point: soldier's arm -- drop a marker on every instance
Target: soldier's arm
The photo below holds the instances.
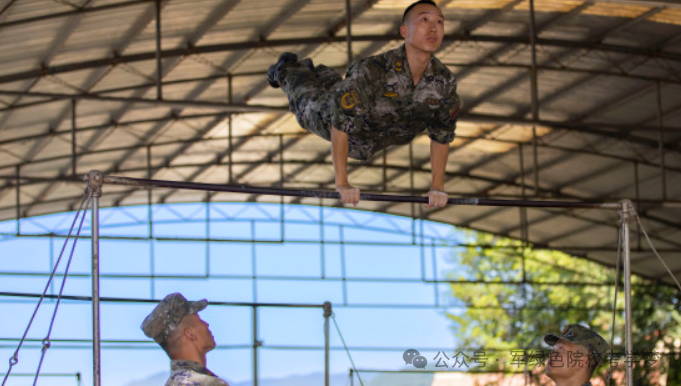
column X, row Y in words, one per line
column 439, row 152
column 339, row 154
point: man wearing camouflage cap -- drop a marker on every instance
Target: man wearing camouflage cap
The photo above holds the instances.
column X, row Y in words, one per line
column 384, row 100
column 176, row 326
column 577, row 351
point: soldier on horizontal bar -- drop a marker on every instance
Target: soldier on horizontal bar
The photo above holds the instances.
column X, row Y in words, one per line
column 384, row 100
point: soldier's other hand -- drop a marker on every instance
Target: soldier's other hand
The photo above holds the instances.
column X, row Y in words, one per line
column 348, row 194
column 436, row 199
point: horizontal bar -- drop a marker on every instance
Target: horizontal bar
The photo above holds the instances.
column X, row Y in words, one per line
column 270, row 191
column 131, row 300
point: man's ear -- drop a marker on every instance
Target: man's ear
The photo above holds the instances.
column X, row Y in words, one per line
column 404, row 31
column 189, row 333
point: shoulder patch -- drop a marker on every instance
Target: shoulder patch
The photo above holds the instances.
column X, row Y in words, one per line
column 390, row 94
column 350, row 99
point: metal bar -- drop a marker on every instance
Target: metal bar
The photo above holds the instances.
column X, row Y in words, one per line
column 150, row 228
column 95, row 186
column 159, row 65
column 155, row 301
column 660, row 120
column 327, row 314
column 17, row 196
column 629, row 345
column 342, row 258
column 457, row 37
column 364, row 196
column 67, row 14
column 230, row 144
column 256, row 343
column 73, row 137
column 534, row 94
column 348, row 27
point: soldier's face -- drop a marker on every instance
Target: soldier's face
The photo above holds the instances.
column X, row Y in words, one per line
column 568, row 360
column 424, row 28
column 203, row 337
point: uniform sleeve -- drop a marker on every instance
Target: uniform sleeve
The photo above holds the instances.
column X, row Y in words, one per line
column 353, row 97
column 442, row 129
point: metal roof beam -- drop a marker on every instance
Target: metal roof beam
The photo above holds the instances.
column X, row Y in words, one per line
column 654, row 52
column 79, row 11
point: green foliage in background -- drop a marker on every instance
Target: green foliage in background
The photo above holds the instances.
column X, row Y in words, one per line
column 528, row 293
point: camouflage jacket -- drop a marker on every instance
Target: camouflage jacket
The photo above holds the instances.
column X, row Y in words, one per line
column 378, row 105
column 190, row 373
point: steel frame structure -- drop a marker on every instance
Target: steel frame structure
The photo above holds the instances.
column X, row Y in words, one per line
column 96, row 179
column 630, row 134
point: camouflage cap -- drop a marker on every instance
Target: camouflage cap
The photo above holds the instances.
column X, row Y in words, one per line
column 168, row 314
column 578, row 334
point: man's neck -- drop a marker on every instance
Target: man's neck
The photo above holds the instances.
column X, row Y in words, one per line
column 418, row 62
column 572, row 381
column 190, row 356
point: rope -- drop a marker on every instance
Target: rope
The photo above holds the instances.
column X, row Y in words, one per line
column 14, row 359
column 614, row 304
column 333, row 316
column 46, row 341
column 640, row 225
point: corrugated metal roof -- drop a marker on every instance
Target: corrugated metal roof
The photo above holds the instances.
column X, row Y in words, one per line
column 599, row 66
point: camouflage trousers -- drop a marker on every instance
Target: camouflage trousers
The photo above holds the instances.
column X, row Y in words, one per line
column 309, row 97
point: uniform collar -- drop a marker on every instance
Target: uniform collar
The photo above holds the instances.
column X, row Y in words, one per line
column 183, row 364
column 401, row 64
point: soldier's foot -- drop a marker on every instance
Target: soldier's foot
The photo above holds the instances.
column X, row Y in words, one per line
column 272, row 74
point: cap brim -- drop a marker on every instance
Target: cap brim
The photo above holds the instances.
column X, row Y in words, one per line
column 197, row 306
column 551, row 339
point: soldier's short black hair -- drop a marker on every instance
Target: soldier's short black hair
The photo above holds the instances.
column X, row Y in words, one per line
column 409, row 8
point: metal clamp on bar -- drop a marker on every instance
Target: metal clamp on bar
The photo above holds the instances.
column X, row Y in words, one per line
column 327, row 309
column 627, row 211
column 95, row 180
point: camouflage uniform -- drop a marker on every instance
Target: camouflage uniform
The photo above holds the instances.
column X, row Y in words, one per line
column 161, row 322
column 190, row 373
column 377, row 104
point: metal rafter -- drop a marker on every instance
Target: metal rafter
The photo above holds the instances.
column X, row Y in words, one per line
column 334, row 28
column 466, row 29
column 196, row 35
column 180, row 52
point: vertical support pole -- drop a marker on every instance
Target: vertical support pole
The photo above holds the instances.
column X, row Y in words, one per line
column 637, row 184
column 660, row 122
column 348, row 26
column 436, row 280
column 524, row 233
column 256, row 344
column 411, row 192
column 281, row 185
column 385, row 170
column 18, row 199
column 327, row 314
column 73, row 136
column 534, row 95
column 627, row 215
column 352, row 378
column 342, row 257
column 150, row 225
column 95, row 181
column 230, row 143
column 208, row 236
column 159, row 67
column 322, row 246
